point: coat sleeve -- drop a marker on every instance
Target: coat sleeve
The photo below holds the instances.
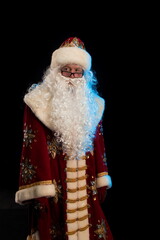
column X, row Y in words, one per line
column 103, row 179
column 35, row 178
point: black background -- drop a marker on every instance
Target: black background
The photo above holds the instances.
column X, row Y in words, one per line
column 113, row 37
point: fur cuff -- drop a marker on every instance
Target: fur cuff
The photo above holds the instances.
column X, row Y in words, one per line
column 34, row 236
column 104, row 181
column 35, row 192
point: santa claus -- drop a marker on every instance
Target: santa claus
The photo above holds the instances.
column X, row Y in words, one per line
column 63, row 168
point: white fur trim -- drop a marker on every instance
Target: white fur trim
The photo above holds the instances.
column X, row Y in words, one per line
column 83, row 235
column 72, row 226
column 71, row 215
column 104, row 181
column 34, row 236
column 71, row 55
column 82, row 203
column 71, row 206
column 72, row 175
column 73, row 237
column 82, row 162
column 35, row 192
column 101, row 107
column 43, row 114
column 82, row 183
column 82, row 213
column 71, row 163
column 71, row 185
column 82, row 224
column 72, row 196
column 80, row 235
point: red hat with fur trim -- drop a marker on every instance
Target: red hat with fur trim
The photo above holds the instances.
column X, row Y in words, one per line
column 71, row 51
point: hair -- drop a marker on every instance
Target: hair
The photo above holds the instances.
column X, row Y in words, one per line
column 91, row 79
column 68, row 115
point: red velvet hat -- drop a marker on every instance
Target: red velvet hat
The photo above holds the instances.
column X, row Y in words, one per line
column 71, row 51
column 73, row 42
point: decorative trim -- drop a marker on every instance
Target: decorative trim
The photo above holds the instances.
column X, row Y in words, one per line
column 43, row 114
column 77, row 219
column 76, row 189
column 69, row 55
column 35, row 192
column 80, row 229
column 76, row 169
column 76, row 200
column 102, row 174
column 35, row 184
column 34, row 236
column 104, row 181
column 78, row 209
column 75, row 179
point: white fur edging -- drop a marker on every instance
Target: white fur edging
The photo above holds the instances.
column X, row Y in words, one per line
column 35, row 192
column 104, row 181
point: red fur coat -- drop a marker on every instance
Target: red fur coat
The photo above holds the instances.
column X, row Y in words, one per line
column 64, row 195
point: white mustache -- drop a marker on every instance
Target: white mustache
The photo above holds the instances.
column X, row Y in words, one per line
column 73, row 81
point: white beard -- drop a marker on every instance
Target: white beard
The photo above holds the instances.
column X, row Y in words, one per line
column 73, row 111
column 72, row 114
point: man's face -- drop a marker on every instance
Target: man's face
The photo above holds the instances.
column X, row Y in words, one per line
column 72, row 71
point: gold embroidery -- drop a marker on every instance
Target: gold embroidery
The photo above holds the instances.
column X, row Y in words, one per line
column 77, row 219
column 58, row 191
column 100, row 129
column 71, row 233
column 71, row 179
column 47, row 182
column 102, row 174
column 78, row 209
column 76, row 169
column 28, row 170
column 80, row 229
column 53, row 231
column 93, row 187
column 104, row 157
column 28, row 136
column 101, row 230
column 78, row 199
column 75, row 179
column 53, row 146
column 82, row 178
column 71, row 210
column 73, row 43
column 76, row 189
column 56, row 231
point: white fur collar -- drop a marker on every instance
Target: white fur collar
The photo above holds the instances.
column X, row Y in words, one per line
column 43, row 113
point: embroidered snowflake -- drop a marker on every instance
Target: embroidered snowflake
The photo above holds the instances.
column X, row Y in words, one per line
column 28, row 171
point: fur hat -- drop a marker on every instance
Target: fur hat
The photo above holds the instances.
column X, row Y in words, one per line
column 71, row 51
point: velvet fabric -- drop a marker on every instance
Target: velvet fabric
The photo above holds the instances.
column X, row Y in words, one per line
column 64, row 195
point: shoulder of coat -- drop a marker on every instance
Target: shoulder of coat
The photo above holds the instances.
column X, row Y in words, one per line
column 101, row 105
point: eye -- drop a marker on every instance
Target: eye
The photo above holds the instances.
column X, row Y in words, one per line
column 78, row 70
column 65, row 69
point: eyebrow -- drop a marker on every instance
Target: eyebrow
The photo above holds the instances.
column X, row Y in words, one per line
column 77, row 68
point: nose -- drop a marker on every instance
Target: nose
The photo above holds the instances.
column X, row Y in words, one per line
column 72, row 75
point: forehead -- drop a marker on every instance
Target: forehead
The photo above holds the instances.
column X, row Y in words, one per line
column 73, row 66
